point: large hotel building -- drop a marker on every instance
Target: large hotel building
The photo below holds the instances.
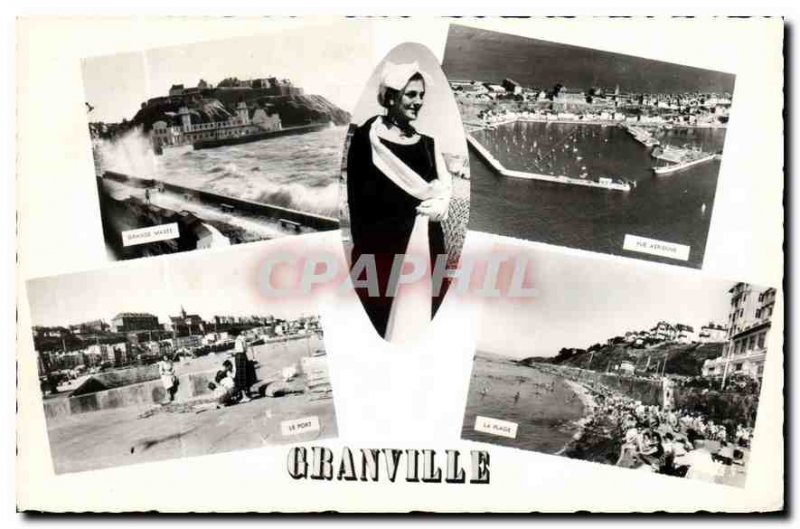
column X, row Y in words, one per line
column 749, row 321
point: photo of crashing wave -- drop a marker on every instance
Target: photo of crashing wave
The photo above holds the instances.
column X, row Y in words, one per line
column 292, row 172
column 295, row 172
column 191, row 153
column 241, row 178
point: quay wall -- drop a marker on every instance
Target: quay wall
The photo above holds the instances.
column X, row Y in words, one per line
column 316, row 222
column 151, row 392
column 498, row 167
column 143, row 395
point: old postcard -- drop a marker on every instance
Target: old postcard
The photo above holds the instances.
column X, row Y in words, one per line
column 603, row 196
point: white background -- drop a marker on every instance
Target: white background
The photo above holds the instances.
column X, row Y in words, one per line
column 520, row 480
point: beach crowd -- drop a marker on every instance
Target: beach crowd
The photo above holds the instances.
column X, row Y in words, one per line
column 674, row 442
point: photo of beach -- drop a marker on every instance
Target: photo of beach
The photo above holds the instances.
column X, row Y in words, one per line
column 231, row 141
column 592, row 369
column 589, row 149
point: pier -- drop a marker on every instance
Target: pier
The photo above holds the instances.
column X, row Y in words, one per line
column 494, row 163
column 680, row 166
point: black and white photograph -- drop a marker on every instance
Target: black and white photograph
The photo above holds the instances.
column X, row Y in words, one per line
column 624, row 366
column 146, row 363
column 589, row 149
column 324, row 263
column 405, row 188
column 224, row 142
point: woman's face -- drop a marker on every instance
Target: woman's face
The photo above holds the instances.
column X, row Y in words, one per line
column 410, row 101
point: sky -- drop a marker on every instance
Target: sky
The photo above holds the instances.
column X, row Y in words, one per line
column 491, row 56
column 206, row 282
column 335, row 67
column 582, row 301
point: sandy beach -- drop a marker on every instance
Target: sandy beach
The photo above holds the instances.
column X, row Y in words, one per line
column 545, row 408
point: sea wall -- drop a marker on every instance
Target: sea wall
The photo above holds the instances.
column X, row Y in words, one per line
column 498, row 167
column 647, row 390
column 721, row 407
column 194, row 384
column 313, row 221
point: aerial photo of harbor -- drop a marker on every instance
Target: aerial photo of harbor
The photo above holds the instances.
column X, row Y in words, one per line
column 593, row 371
column 239, row 148
column 578, row 147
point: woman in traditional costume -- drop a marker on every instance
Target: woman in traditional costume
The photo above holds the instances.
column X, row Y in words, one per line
column 398, row 192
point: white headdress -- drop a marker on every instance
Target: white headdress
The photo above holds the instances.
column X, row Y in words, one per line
column 396, row 76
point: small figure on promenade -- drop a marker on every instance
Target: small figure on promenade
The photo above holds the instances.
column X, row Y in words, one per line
column 243, row 370
column 166, row 370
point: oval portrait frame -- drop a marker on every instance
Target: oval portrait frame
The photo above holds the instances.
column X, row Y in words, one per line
column 377, row 210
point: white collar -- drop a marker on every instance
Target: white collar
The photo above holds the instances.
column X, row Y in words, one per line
column 392, row 134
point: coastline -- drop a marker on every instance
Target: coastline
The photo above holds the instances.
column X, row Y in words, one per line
column 600, row 122
column 595, row 439
column 589, row 405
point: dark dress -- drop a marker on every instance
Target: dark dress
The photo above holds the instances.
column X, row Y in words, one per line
column 245, row 372
column 382, row 215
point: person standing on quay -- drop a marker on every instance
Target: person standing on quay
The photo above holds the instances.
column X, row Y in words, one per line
column 243, row 371
column 166, row 370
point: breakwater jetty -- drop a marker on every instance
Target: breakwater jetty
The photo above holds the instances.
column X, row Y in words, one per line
column 494, row 163
column 232, row 204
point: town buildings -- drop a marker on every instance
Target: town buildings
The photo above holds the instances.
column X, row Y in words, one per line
column 138, row 338
column 749, row 321
column 594, row 104
column 511, row 86
column 134, row 321
column 185, row 324
column 244, row 123
column 712, row 333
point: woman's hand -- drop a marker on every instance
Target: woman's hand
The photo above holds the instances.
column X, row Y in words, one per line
column 434, row 208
